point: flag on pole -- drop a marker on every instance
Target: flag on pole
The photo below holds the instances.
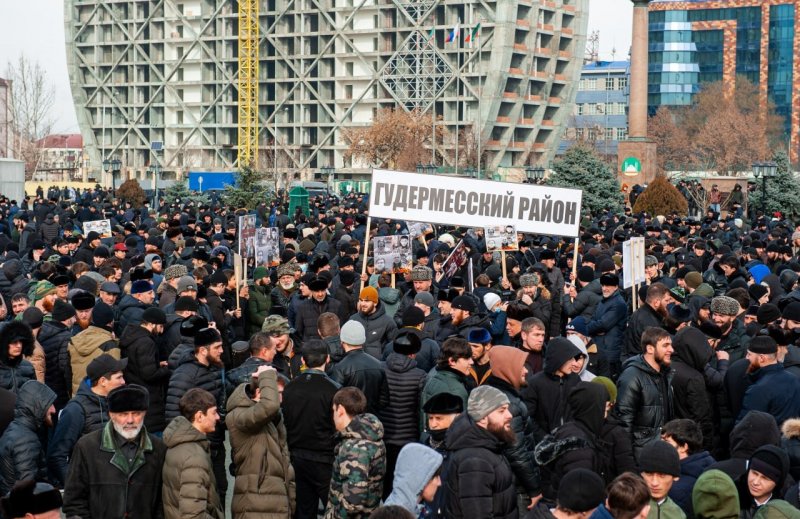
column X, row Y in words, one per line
column 452, row 35
column 473, row 34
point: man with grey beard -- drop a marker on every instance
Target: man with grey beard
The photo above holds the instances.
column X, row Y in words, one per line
column 116, row 471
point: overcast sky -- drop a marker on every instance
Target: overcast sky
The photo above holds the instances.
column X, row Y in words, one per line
column 36, row 28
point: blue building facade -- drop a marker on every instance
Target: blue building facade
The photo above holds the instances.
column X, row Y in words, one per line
column 601, row 107
column 701, row 41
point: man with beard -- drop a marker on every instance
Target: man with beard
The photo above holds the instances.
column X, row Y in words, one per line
column 281, row 295
column 116, row 471
column 44, row 296
column 203, row 369
column 83, row 302
column 422, row 279
column 651, row 313
column 463, row 315
column 379, row 326
column 774, row 390
column 20, row 445
column 479, row 481
column 508, row 375
column 644, row 403
column 734, row 339
column 480, row 340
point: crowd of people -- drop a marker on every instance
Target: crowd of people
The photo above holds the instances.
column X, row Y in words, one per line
column 138, row 374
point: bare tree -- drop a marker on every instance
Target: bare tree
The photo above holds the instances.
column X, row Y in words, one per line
column 33, row 97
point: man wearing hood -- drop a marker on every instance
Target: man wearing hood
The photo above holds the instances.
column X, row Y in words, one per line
column 21, row 455
column 692, row 400
column 547, row 391
column 764, row 481
column 16, row 342
column 479, row 480
column 360, row 458
column 416, row 479
column 379, row 326
column 508, row 374
column 92, row 342
column 645, row 396
column 577, row 443
column 18, row 283
column 755, row 430
column 773, row 390
column 264, row 485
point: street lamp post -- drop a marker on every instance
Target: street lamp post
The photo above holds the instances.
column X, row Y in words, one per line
column 155, row 169
column 116, row 165
column 107, row 168
column 764, row 170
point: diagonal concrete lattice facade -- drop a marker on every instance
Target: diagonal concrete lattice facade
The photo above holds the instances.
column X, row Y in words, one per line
column 166, row 71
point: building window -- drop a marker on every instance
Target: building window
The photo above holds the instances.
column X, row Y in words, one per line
column 622, row 83
column 348, row 91
column 578, row 134
column 622, row 134
column 609, row 83
column 579, row 109
column 609, row 134
column 591, row 84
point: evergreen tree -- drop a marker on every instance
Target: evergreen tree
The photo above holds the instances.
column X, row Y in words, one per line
column 179, row 193
column 249, row 190
column 661, row 198
column 783, row 192
column 582, row 168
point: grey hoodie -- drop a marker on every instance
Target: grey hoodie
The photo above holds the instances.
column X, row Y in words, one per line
column 416, row 466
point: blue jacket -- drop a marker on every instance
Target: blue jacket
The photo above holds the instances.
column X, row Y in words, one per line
column 608, row 325
column 773, row 391
column 691, row 468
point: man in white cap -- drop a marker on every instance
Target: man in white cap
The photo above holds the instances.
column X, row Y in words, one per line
column 360, row 369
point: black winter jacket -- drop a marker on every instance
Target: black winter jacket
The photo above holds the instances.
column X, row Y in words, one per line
column 379, row 328
column 129, row 311
column 645, row 401
column 15, row 372
column 308, row 416
column 21, row 455
column 192, row 374
column 692, row 400
column 308, row 312
column 54, row 338
column 639, row 321
column 479, row 481
column 360, row 369
column 85, row 413
column 546, row 393
column 400, row 418
column 143, row 368
column 243, row 373
column 520, row 453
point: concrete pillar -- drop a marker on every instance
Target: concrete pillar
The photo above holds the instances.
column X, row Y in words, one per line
column 637, row 111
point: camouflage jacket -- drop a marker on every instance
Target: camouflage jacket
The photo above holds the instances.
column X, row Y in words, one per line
column 358, row 471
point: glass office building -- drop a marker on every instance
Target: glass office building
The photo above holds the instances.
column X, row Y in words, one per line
column 700, row 41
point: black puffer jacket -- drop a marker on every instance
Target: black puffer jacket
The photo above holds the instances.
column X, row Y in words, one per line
column 479, row 481
column 379, row 328
column 15, row 372
column 578, row 443
column 692, row 400
column 546, row 393
column 21, row 455
column 400, row 418
column 143, row 368
column 192, row 374
column 49, row 229
column 242, row 373
column 360, row 369
column 641, row 319
column 308, row 312
column 644, row 403
column 520, row 453
column 129, row 311
column 54, row 338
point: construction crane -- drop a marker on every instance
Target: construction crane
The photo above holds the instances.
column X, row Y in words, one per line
column 248, row 83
